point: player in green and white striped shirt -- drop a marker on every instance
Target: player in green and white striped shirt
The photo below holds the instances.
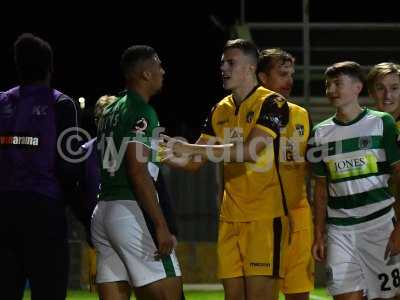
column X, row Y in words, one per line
column 353, row 155
column 383, row 83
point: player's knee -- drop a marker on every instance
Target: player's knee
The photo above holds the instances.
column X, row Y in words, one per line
column 173, row 289
column 233, row 292
column 164, row 289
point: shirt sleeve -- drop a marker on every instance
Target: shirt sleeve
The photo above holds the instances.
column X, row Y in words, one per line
column 314, row 156
column 67, row 118
column 391, row 139
column 274, row 114
column 207, row 129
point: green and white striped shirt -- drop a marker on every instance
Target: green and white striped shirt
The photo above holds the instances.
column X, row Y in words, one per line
column 356, row 158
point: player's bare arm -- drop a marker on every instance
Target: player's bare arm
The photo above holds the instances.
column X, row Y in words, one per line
column 249, row 151
column 393, row 246
column 146, row 195
column 191, row 163
column 320, row 203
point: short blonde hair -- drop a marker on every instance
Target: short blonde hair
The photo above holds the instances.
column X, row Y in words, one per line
column 101, row 104
column 380, row 70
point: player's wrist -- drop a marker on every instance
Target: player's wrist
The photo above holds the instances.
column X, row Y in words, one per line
column 160, row 224
column 319, row 234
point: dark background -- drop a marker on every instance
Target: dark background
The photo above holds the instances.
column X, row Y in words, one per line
column 89, row 37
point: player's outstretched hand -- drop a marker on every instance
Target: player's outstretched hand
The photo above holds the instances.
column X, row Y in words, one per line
column 166, row 154
column 178, row 147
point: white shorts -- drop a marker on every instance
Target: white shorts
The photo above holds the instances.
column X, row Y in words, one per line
column 124, row 246
column 355, row 262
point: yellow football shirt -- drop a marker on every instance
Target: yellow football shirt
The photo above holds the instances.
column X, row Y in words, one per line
column 252, row 191
column 293, row 168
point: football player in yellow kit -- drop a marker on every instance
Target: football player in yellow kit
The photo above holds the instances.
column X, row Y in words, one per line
column 275, row 72
column 253, row 224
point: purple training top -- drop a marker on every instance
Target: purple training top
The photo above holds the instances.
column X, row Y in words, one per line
column 28, row 138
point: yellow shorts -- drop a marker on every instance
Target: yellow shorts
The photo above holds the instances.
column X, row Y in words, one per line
column 299, row 264
column 252, row 248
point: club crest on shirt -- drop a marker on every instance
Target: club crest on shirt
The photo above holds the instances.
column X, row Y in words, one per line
column 141, row 125
column 300, row 129
column 364, row 142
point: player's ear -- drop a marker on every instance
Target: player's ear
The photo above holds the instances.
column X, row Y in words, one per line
column 359, row 86
column 146, row 74
column 253, row 68
column 262, row 77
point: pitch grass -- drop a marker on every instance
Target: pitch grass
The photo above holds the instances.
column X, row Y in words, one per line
column 317, row 294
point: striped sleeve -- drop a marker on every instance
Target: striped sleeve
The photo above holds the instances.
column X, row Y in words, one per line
column 391, row 139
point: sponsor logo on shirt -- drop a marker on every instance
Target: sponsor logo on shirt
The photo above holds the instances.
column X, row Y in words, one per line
column 258, row 264
column 353, row 166
column 19, row 141
column 348, row 164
